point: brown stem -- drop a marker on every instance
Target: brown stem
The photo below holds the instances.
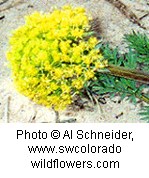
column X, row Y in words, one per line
column 128, row 73
column 143, row 98
column 57, row 119
column 57, row 116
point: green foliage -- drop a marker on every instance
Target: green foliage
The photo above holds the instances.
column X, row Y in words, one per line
column 145, row 113
column 140, row 44
column 136, row 57
column 117, row 85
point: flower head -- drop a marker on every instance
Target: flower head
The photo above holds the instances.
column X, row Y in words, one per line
column 50, row 57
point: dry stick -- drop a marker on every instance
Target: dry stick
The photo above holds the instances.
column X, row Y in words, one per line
column 129, row 74
column 126, row 11
column 33, row 118
column 100, row 110
column 6, row 112
column 12, row 5
column 145, row 15
column 90, row 97
column 57, row 117
column 71, row 120
column 143, row 98
column 4, row 1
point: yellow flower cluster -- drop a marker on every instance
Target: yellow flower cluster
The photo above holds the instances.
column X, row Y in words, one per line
column 50, row 58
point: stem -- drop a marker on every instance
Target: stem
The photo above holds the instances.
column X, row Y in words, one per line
column 128, row 73
column 57, row 116
column 57, row 119
column 143, row 98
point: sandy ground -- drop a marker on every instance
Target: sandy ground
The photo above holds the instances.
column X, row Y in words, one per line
column 17, row 108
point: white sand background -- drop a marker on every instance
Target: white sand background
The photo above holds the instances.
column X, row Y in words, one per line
column 16, row 108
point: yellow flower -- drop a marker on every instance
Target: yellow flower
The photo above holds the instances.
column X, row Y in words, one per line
column 79, row 10
column 68, row 72
column 78, row 70
column 64, row 47
column 54, row 44
column 77, row 83
column 65, row 58
column 56, row 56
column 43, row 55
column 65, row 88
column 92, row 42
column 78, row 33
column 87, row 60
column 77, row 51
column 53, row 86
column 50, row 58
column 89, row 74
column 58, row 73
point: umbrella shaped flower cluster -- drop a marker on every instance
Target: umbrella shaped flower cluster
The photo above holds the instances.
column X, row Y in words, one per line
column 51, row 56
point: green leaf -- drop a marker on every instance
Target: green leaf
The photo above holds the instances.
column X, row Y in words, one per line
column 139, row 42
column 145, row 113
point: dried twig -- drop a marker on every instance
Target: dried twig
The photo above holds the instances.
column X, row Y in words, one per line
column 4, row 1
column 57, row 119
column 70, row 120
column 12, row 5
column 144, row 16
column 126, row 11
column 100, row 110
column 2, row 17
column 32, row 120
column 6, row 111
column 90, row 96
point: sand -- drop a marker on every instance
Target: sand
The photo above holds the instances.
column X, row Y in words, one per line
column 15, row 107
